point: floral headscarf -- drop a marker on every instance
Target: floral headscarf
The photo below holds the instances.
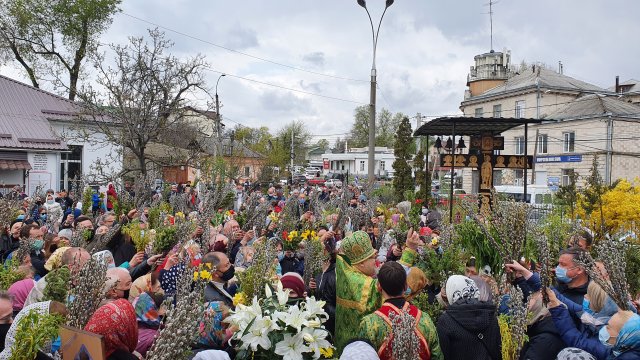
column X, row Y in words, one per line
column 116, row 322
column 146, row 310
column 629, row 336
column 41, row 308
column 461, row 287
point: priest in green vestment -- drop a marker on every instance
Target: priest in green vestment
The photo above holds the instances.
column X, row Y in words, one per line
column 356, row 292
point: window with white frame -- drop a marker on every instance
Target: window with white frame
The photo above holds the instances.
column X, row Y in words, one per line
column 542, row 144
column 478, row 112
column 520, row 106
column 569, row 141
column 519, row 177
column 519, row 145
column 567, row 177
column 497, row 110
column 382, row 164
column 361, row 165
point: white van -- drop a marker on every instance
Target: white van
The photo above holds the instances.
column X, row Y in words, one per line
column 539, row 195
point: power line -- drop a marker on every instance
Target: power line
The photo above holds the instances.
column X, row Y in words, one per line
column 284, row 87
column 243, row 53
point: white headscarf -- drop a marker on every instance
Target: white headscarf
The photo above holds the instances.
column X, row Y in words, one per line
column 41, row 308
column 461, row 287
column 212, row 355
column 359, row 350
column 106, row 257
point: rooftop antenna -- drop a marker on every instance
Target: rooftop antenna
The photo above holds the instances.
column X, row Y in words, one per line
column 491, row 3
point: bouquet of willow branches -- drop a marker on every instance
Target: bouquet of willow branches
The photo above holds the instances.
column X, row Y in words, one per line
column 544, row 257
column 9, row 209
column 313, row 258
column 100, row 241
column 254, row 278
column 513, row 327
column 405, row 344
column 86, row 292
column 181, row 321
column 612, row 253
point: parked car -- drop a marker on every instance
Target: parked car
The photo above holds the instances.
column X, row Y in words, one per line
column 299, row 179
column 333, row 183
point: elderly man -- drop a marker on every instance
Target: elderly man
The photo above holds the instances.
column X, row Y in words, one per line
column 239, row 238
column 356, row 292
column 74, row 258
column 118, row 284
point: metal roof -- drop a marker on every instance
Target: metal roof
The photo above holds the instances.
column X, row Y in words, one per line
column 594, row 105
column 468, row 126
column 24, row 113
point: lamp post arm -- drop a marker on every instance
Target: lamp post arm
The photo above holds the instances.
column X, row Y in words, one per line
column 375, row 39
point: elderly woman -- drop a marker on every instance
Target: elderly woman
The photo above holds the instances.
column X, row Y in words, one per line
column 148, row 313
column 469, row 327
column 619, row 339
column 544, row 339
column 116, row 322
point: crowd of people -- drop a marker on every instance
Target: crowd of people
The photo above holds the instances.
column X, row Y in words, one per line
column 367, row 281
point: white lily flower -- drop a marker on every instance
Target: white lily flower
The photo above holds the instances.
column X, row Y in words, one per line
column 283, row 296
column 316, row 339
column 291, row 347
column 315, row 308
column 296, row 318
column 258, row 335
column 313, row 323
column 267, row 291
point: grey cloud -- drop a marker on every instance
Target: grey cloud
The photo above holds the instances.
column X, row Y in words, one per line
column 310, row 86
column 315, row 58
column 240, row 38
column 285, row 102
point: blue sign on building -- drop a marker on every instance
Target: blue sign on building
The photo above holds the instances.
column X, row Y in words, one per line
column 560, row 158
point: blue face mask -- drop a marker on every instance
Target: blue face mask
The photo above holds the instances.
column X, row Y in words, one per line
column 301, row 201
column 586, row 308
column 43, row 216
column 37, row 245
column 407, row 292
column 20, row 217
column 280, row 256
column 604, row 336
column 561, row 275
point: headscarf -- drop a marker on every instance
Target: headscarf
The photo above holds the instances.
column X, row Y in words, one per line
column 537, row 309
column 19, row 292
column 574, row 354
column 42, row 308
column 629, row 336
column 212, row 355
column 416, row 282
column 141, row 285
column 106, row 257
column 55, row 260
column 116, row 322
column 461, row 287
column 146, row 310
column 359, row 350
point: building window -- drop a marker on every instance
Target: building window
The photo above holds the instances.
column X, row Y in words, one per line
column 497, row 111
column 519, row 177
column 478, row 112
column 520, row 145
column 70, row 166
column 361, row 165
column 567, row 177
column 247, row 171
column 520, row 105
column 569, row 141
column 382, row 164
column 542, row 144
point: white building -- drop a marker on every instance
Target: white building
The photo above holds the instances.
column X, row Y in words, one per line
column 38, row 145
column 355, row 162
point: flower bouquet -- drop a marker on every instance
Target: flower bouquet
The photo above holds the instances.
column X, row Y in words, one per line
column 271, row 329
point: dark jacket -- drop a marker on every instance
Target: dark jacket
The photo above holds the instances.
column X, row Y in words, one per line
column 574, row 338
column 37, row 262
column 574, row 294
column 544, row 341
column 289, row 264
column 469, row 329
column 142, row 269
column 326, row 291
column 9, row 245
column 213, row 294
column 121, row 249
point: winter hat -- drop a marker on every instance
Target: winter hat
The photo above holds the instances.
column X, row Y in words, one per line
column 357, row 247
column 294, row 282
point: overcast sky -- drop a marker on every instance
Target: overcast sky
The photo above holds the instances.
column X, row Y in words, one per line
column 424, row 53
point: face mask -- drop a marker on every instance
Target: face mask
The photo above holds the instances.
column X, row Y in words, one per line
column 39, row 202
column 561, row 275
column 300, row 255
column 126, row 294
column 407, row 292
column 228, row 275
column 37, row 245
column 425, row 211
column 604, row 336
column 43, row 217
column 301, row 201
column 280, row 256
column 354, row 205
column 50, row 202
column 20, row 217
column 586, row 308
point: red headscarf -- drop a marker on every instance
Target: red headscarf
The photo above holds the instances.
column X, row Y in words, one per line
column 116, row 322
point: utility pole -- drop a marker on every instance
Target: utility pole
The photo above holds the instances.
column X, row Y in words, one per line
column 608, row 160
column 292, row 155
column 218, row 120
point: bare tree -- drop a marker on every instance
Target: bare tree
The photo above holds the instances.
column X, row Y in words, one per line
column 144, row 97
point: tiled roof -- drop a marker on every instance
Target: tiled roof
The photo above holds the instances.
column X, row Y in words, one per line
column 548, row 79
column 633, row 84
column 23, row 116
column 594, row 105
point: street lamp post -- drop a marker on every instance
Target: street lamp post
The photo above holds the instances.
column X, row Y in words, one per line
column 218, row 122
column 372, row 104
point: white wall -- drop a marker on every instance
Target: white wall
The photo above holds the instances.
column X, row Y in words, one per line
column 45, row 171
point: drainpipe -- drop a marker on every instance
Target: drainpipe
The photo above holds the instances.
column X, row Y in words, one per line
column 608, row 160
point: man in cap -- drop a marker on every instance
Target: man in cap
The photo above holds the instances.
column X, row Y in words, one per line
column 356, row 292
